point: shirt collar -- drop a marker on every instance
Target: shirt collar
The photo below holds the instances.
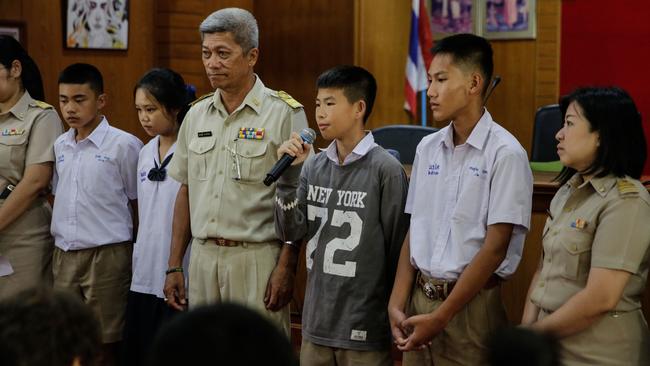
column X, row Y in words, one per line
column 253, row 99
column 362, row 148
column 477, row 137
column 20, row 108
column 602, row 185
column 96, row 137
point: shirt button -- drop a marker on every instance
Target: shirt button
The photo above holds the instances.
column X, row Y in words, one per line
column 602, row 189
column 220, row 172
column 216, row 195
column 541, row 284
column 212, row 220
column 223, row 148
column 574, row 247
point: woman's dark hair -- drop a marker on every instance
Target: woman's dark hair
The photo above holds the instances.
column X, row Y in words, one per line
column 169, row 89
column 612, row 112
column 11, row 50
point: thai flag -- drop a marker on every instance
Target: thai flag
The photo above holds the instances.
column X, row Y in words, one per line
column 419, row 56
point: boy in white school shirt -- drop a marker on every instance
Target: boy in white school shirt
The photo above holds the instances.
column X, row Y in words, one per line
column 470, row 201
column 95, row 190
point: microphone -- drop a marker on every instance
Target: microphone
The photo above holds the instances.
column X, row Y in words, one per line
column 493, row 85
column 308, row 136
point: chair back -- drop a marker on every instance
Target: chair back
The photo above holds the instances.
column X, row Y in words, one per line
column 548, row 121
column 402, row 138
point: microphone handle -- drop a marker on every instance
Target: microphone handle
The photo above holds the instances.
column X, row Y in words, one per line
column 279, row 168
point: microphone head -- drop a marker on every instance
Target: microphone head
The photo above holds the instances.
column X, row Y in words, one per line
column 308, row 136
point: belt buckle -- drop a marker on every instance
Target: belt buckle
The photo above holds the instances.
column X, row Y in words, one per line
column 430, row 290
column 221, row 242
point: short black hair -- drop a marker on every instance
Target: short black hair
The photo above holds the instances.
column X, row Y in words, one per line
column 612, row 112
column 469, row 50
column 169, row 89
column 81, row 73
column 356, row 82
column 40, row 327
column 11, row 50
column 221, row 333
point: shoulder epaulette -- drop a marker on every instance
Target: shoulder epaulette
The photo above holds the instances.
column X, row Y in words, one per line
column 201, row 98
column 288, row 99
column 41, row 105
column 626, row 188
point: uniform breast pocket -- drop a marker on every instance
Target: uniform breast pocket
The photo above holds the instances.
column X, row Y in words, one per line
column 198, row 158
column 12, row 150
column 101, row 175
column 576, row 253
column 253, row 160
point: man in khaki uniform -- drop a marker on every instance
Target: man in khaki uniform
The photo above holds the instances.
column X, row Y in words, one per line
column 225, row 147
column 28, row 128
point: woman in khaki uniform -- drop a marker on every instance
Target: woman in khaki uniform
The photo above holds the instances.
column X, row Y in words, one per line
column 587, row 290
column 28, row 128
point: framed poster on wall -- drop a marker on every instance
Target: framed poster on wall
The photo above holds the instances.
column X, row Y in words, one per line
column 96, row 24
column 14, row 29
column 453, row 16
column 508, row 19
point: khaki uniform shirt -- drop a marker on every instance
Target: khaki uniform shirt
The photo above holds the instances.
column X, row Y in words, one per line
column 223, row 160
column 27, row 135
column 602, row 223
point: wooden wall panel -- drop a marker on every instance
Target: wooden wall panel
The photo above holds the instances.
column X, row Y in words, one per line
column 120, row 69
column 177, row 38
column 381, row 44
column 298, row 41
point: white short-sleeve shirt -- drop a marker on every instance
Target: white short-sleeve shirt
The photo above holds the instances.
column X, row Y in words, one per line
column 156, row 201
column 93, row 181
column 457, row 191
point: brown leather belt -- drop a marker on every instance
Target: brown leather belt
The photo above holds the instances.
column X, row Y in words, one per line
column 439, row 290
column 224, row 242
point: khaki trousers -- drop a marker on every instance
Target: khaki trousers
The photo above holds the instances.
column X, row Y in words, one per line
column 463, row 341
column 234, row 274
column 101, row 278
column 28, row 245
column 315, row 355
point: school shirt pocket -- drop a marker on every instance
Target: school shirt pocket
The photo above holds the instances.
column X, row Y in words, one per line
column 100, row 175
column 13, row 150
column 576, row 253
column 198, row 159
column 252, row 154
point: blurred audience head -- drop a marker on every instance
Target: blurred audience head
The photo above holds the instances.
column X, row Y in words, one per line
column 222, row 334
column 515, row 346
column 41, row 327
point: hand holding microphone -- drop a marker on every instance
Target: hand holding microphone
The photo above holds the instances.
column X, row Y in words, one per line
column 291, row 152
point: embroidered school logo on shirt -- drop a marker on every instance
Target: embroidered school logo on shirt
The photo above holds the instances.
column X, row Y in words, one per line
column 143, row 176
column 13, row 131
column 60, row 159
column 251, row 133
column 477, row 172
column 434, row 169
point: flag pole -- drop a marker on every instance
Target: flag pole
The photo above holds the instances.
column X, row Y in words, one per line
column 423, row 107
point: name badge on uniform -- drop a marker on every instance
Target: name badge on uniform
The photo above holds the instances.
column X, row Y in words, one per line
column 251, row 133
column 205, row 133
column 579, row 224
column 13, row 131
